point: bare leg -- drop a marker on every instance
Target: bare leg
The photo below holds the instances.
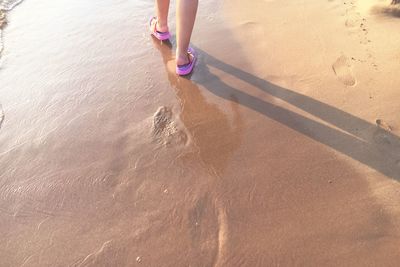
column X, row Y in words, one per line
column 162, row 7
column 185, row 16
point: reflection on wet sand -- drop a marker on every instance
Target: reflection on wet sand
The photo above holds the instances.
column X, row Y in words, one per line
column 205, row 121
column 214, row 138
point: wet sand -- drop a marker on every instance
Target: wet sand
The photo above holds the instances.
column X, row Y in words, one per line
column 282, row 149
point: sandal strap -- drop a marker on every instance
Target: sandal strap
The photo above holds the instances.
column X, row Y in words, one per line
column 153, row 25
column 189, row 58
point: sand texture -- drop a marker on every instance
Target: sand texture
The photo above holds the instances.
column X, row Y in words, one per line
column 282, row 148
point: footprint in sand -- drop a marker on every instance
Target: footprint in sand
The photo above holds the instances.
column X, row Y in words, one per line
column 382, row 132
column 358, row 25
column 343, row 70
column 384, row 125
column 165, row 129
column 351, row 22
column 253, row 30
column 207, row 224
column 352, row 17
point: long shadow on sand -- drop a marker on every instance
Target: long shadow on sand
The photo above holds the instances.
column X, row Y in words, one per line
column 354, row 137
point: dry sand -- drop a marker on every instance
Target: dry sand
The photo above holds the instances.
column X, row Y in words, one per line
column 282, row 149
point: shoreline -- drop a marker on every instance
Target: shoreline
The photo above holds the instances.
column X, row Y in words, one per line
column 4, row 8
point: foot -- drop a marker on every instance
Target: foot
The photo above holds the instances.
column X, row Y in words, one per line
column 159, row 31
column 160, row 28
column 184, row 60
column 185, row 63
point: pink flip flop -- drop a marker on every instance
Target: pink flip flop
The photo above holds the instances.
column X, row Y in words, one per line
column 186, row 69
column 162, row 36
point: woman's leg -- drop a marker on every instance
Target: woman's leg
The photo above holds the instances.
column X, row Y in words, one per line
column 185, row 16
column 162, row 7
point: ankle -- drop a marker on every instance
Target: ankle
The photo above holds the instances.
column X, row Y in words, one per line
column 161, row 26
column 181, row 59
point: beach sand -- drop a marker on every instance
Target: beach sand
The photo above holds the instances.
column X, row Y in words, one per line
column 282, row 149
